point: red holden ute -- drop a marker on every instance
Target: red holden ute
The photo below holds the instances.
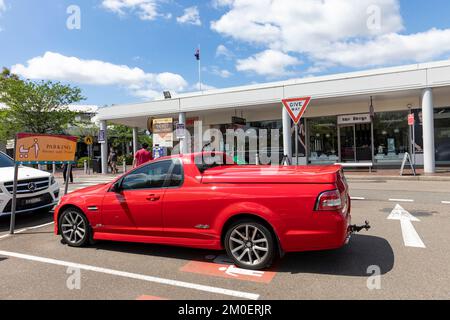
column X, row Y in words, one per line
column 255, row 213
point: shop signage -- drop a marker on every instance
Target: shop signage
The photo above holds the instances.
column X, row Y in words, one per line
column 296, row 107
column 354, row 119
column 42, row 149
column 191, row 121
column 411, row 119
column 163, row 132
column 163, row 125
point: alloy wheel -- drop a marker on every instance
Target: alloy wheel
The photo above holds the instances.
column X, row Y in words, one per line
column 73, row 227
column 249, row 245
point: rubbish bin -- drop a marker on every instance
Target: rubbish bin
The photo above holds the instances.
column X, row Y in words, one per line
column 97, row 165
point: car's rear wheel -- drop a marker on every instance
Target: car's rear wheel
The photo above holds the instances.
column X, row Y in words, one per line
column 74, row 228
column 250, row 244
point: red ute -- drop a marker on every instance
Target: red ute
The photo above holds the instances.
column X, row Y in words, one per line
column 256, row 213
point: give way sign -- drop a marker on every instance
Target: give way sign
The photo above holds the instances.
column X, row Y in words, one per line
column 296, row 107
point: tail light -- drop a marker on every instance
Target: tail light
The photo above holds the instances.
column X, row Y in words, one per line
column 329, row 201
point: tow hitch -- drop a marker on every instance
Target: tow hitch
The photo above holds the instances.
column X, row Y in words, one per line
column 356, row 228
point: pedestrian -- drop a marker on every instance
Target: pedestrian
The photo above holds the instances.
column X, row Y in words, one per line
column 142, row 156
column 65, row 168
column 112, row 161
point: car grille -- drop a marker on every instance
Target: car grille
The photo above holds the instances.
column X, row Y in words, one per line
column 29, row 186
column 22, row 204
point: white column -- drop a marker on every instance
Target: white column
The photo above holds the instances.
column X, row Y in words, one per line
column 104, row 147
column 428, row 131
column 183, row 141
column 287, row 136
column 135, row 140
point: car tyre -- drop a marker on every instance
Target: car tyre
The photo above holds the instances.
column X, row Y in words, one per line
column 74, row 228
column 250, row 245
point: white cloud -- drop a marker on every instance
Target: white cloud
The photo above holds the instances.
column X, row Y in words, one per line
column 268, row 63
column 223, row 51
column 2, row 6
column 191, row 16
column 204, row 87
column 223, row 73
column 390, row 49
column 54, row 66
column 145, row 9
column 221, row 3
column 351, row 33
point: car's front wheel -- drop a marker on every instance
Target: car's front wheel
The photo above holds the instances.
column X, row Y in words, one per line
column 250, row 244
column 74, row 228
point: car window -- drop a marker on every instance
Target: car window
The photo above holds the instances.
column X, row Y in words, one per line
column 151, row 176
column 5, row 161
column 176, row 176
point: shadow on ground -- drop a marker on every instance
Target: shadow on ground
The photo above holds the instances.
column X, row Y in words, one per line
column 352, row 260
column 26, row 220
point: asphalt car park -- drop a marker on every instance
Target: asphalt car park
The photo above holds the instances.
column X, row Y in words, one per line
column 378, row 264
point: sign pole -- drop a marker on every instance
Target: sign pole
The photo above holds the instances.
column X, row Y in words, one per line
column 14, row 199
column 296, row 144
column 296, row 107
column 69, row 169
column 413, row 128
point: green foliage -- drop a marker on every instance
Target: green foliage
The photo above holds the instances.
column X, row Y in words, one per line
column 129, row 159
column 80, row 162
column 35, row 107
column 145, row 139
column 120, row 134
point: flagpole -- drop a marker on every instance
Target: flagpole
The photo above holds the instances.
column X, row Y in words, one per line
column 200, row 68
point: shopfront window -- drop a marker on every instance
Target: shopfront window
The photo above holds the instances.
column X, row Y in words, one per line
column 442, row 135
column 323, row 141
column 391, row 136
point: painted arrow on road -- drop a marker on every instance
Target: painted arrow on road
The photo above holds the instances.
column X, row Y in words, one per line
column 410, row 236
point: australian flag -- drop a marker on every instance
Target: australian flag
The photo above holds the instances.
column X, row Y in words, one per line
column 197, row 54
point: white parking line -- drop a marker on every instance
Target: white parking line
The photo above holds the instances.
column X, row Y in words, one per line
column 401, row 200
column 358, row 198
column 27, row 229
column 175, row 283
column 445, row 202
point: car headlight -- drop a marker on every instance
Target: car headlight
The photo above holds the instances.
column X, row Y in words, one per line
column 52, row 180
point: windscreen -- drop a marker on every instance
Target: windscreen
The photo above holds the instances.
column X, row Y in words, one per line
column 5, row 161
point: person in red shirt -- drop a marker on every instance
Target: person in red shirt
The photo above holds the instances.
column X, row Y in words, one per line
column 142, row 156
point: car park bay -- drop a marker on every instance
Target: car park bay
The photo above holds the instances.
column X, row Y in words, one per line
column 112, row 270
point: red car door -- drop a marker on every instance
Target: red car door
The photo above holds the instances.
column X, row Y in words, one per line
column 136, row 207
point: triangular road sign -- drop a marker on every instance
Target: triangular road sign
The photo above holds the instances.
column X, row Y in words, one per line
column 296, row 107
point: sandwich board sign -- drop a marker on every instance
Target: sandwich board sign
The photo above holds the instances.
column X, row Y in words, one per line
column 31, row 148
column 296, row 107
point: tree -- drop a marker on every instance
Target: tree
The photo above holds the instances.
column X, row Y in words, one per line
column 35, row 107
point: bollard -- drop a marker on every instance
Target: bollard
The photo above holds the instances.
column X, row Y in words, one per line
column 124, row 165
column 54, row 168
column 85, row 167
column 257, row 159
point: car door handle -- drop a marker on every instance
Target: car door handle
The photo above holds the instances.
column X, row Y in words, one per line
column 153, row 197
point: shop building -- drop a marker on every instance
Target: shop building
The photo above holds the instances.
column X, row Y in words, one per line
column 353, row 117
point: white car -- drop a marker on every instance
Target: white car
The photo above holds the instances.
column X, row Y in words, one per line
column 36, row 190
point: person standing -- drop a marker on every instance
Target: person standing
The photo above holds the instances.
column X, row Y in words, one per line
column 142, row 156
column 112, row 161
column 65, row 169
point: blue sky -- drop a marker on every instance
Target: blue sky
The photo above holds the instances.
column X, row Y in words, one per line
column 132, row 50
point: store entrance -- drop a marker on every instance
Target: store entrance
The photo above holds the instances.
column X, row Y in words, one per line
column 356, row 142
